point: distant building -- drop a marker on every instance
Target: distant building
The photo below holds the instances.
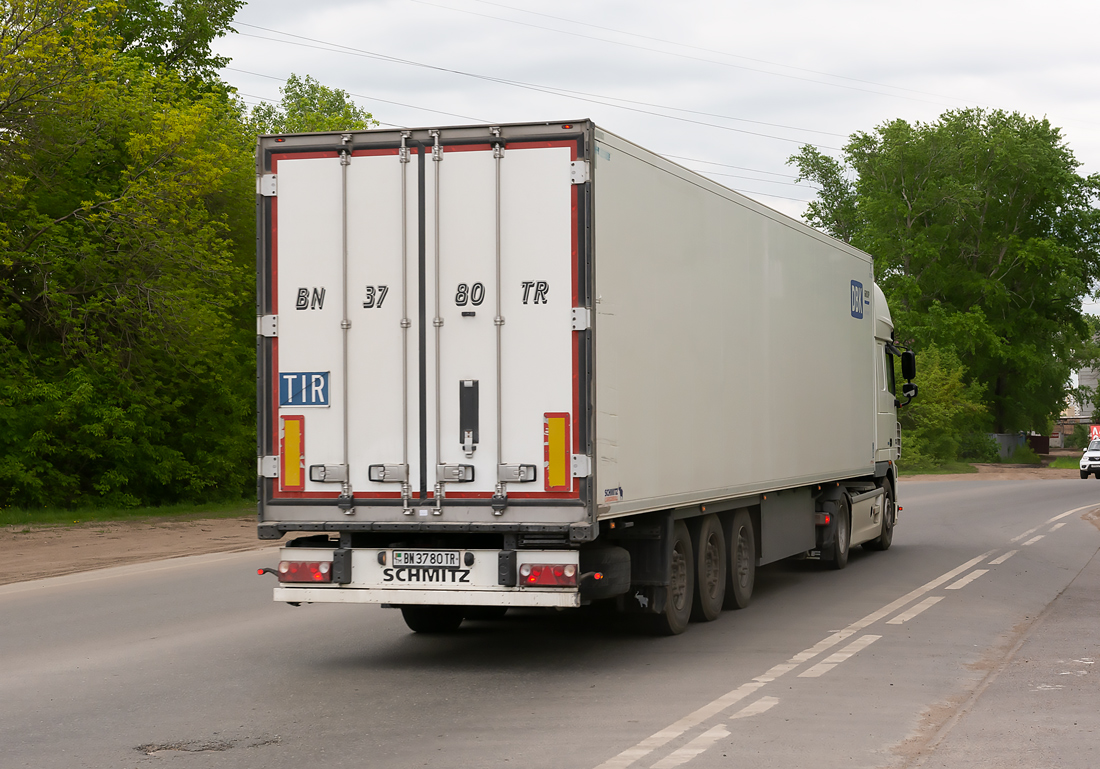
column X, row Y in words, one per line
column 1086, row 377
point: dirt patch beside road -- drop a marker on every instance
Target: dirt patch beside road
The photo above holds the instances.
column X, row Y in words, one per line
column 50, row 551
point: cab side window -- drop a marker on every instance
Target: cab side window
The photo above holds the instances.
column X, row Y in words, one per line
column 889, row 373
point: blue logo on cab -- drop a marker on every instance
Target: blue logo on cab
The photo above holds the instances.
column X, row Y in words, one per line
column 303, row 388
column 857, row 300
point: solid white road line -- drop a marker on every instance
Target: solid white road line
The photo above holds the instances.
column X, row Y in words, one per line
column 693, row 748
column 1003, row 558
column 760, row 706
column 905, row 616
column 1051, row 520
column 833, row 660
column 966, row 580
column 1033, row 540
column 671, row 732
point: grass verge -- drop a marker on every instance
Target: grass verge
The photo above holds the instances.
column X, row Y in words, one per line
column 1066, row 463
column 14, row 516
column 951, row 468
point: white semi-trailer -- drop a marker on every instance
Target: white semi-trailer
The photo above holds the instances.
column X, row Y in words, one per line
column 538, row 366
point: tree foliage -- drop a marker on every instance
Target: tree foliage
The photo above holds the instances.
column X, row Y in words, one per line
column 122, row 290
column 308, row 106
column 127, row 325
column 947, row 414
column 985, row 239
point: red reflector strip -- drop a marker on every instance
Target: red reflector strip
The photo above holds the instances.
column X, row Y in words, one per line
column 548, row 574
column 305, row 571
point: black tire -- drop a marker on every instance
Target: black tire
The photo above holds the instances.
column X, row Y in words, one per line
column 485, row 613
column 710, row 568
column 741, row 569
column 674, row 619
column 889, row 518
column 1085, row 475
column 842, row 536
column 433, row 619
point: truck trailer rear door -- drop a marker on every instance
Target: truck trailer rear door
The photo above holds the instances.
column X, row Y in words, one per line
column 426, row 349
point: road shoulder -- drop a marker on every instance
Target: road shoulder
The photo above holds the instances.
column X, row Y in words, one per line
column 51, row 551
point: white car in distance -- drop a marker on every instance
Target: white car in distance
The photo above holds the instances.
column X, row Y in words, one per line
column 1090, row 460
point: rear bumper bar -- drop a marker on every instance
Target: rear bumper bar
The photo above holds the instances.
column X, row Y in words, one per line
column 558, row 597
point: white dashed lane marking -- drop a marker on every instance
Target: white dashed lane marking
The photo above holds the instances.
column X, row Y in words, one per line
column 760, row 706
column 693, row 748
column 833, row 660
column 905, row 616
column 1057, row 526
column 699, row 745
column 1033, row 540
column 966, row 580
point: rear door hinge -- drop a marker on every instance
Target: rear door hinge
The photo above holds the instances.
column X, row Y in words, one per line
column 578, row 171
column 582, row 465
column 267, row 325
column 582, row 319
column 267, row 467
column 267, row 185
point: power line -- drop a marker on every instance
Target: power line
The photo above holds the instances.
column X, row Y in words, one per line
column 752, row 178
column 338, row 48
column 712, row 50
column 428, row 109
column 670, row 53
column 727, row 165
column 371, row 98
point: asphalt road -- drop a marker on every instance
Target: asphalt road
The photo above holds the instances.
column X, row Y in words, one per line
column 939, row 652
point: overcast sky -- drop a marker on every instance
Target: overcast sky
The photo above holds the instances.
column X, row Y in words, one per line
column 736, row 87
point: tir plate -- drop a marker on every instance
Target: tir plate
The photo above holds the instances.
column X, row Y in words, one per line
column 447, row 559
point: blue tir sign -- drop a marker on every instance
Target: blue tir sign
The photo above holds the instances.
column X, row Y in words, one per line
column 303, row 388
column 857, row 300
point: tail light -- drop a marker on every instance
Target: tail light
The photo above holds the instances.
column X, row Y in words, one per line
column 823, row 519
column 305, row 571
column 548, row 574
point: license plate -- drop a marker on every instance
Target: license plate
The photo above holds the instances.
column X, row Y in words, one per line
column 447, row 559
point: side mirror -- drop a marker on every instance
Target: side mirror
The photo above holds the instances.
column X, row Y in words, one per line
column 909, row 390
column 908, row 365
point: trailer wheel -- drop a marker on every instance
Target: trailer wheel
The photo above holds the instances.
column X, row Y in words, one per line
column 889, row 514
column 710, row 572
column 433, row 619
column 838, row 558
column 674, row 619
column 741, row 574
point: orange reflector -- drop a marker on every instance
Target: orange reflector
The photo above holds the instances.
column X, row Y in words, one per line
column 292, row 459
column 557, row 459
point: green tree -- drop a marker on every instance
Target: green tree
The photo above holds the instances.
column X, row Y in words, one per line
column 124, row 371
column 176, row 35
column 307, row 106
column 985, row 239
column 947, row 413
